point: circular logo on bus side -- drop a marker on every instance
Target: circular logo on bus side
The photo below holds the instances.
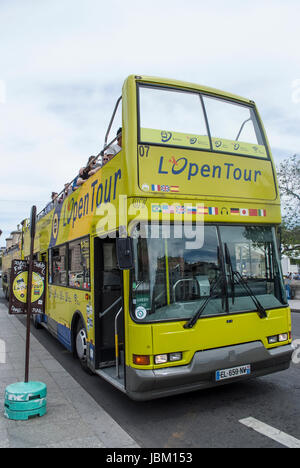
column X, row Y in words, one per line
column 140, row 312
column 55, row 226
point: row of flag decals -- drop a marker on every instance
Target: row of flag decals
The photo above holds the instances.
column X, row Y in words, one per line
column 206, row 210
column 248, row 212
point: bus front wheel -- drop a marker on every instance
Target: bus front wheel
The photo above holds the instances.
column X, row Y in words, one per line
column 81, row 346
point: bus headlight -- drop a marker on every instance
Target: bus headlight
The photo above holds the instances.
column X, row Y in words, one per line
column 278, row 338
column 171, row 357
column 272, row 339
column 283, row 337
column 175, row 357
column 161, row 358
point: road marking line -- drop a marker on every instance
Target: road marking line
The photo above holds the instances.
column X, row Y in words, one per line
column 271, row 432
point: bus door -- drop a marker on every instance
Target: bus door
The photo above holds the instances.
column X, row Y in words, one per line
column 108, row 303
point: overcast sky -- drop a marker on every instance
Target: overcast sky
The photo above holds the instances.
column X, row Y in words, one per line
column 63, row 63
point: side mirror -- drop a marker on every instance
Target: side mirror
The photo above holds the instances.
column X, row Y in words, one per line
column 124, row 253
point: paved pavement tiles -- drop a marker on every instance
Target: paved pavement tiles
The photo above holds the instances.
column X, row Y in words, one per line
column 73, row 417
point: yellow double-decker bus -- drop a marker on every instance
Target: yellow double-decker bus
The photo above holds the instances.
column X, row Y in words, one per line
column 163, row 268
column 11, row 253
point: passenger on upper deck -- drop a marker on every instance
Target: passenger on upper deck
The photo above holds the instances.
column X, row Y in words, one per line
column 66, row 192
column 54, row 200
column 105, row 159
column 84, row 172
column 116, row 148
column 52, row 204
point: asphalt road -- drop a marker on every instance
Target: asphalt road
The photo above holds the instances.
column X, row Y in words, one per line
column 208, row 418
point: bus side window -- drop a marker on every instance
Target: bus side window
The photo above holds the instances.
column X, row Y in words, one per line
column 59, row 270
column 79, row 264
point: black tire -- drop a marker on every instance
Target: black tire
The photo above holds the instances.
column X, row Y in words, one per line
column 81, row 346
column 36, row 324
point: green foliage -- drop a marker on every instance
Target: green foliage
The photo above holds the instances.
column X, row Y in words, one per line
column 288, row 173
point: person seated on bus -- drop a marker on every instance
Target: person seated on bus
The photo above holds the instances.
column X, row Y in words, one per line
column 116, row 148
column 53, row 202
column 84, row 171
column 66, row 192
column 94, row 167
column 67, row 189
column 74, row 184
column 105, row 159
column 54, row 197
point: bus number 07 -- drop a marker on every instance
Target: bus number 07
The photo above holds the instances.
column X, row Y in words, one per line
column 144, row 150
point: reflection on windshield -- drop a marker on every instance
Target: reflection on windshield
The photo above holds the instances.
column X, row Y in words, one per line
column 254, row 256
column 171, row 282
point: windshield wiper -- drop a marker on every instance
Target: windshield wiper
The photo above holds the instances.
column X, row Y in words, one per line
column 261, row 310
column 228, row 261
column 197, row 315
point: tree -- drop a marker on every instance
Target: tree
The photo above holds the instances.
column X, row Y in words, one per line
column 288, row 174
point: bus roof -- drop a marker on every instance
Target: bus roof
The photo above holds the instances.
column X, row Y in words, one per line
column 187, row 85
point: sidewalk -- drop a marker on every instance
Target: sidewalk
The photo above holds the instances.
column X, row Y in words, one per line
column 73, row 418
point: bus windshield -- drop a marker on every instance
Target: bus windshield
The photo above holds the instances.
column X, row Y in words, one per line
column 174, row 117
column 171, row 280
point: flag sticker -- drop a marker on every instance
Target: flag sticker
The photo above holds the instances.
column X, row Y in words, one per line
column 164, row 188
column 213, row 211
column 262, row 212
column 253, row 212
column 234, row 211
column 244, row 212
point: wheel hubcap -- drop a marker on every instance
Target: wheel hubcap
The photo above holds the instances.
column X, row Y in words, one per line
column 81, row 344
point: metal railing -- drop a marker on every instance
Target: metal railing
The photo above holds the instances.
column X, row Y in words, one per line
column 117, row 343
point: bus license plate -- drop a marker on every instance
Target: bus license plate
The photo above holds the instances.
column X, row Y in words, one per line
column 233, row 372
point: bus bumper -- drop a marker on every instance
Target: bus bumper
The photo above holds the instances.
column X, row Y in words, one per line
column 200, row 373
